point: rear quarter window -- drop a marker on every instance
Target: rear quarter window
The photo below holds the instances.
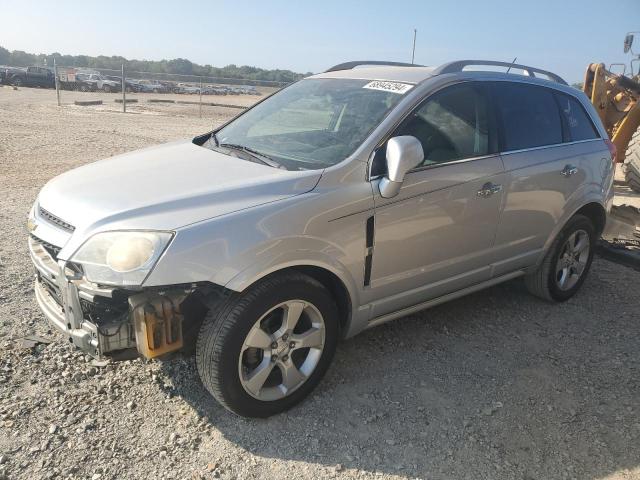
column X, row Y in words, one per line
column 577, row 122
column 529, row 116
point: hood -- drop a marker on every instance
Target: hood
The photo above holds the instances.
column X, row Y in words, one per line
column 166, row 187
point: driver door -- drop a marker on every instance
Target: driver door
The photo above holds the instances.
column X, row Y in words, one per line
column 437, row 235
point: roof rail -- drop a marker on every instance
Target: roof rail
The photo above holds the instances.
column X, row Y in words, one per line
column 357, row 63
column 459, row 65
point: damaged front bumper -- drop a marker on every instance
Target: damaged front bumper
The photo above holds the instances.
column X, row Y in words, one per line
column 98, row 319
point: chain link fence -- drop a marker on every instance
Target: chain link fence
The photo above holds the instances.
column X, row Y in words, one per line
column 157, row 93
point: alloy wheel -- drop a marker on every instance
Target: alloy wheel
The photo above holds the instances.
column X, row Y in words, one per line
column 281, row 350
column 572, row 260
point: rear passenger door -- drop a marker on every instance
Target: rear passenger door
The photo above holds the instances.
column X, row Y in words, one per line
column 542, row 163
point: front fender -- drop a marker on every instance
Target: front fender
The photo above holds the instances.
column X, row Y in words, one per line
column 305, row 251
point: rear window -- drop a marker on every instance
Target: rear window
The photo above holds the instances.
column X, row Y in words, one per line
column 530, row 116
column 578, row 124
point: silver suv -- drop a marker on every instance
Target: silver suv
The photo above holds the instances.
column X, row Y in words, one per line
column 348, row 199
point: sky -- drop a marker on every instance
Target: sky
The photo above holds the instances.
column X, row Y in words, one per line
column 562, row 36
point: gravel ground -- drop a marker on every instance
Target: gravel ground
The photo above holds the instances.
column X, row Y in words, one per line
column 497, row 385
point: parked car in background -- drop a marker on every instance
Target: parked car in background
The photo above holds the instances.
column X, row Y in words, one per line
column 152, row 86
column 186, row 88
column 348, row 199
column 168, row 85
column 131, row 86
column 82, row 83
column 213, row 90
column 3, row 73
column 96, row 81
column 29, row 77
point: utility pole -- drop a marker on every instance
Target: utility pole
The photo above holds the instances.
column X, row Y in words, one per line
column 55, row 78
column 124, row 92
column 413, row 52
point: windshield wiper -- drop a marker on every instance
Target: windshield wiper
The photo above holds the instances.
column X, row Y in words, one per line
column 265, row 159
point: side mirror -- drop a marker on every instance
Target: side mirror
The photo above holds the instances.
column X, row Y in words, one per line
column 628, row 41
column 403, row 154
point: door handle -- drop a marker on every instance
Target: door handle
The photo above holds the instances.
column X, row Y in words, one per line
column 489, row 189
column 569, row 170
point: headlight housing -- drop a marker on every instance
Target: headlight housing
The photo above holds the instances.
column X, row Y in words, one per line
column 121, row 258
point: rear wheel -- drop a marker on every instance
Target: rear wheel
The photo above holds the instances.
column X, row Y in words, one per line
column 631, row 166
column 17, row 82
column 264, row 350
column 567, row 262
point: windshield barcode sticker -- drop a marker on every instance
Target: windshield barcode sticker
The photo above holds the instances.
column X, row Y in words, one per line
column 395, row 87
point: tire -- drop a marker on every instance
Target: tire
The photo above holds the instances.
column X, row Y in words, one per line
column 106, row 88
column 227, row 366
column 17, row 82
column 84, row 88
column 631, row 166
column 546, row 281
column 128, row 90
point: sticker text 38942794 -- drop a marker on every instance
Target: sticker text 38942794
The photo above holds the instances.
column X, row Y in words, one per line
column 395, row 87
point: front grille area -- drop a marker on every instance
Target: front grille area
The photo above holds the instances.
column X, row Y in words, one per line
column 51, row 249
column 51, row 218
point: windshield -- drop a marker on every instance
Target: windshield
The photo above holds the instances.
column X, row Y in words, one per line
column 311, row 124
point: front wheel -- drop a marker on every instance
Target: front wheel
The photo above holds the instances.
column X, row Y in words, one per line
column 567, row 262
column 265, row 349
column 106, row 88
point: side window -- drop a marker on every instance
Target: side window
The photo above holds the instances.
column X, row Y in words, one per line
column 530, row 116
column 451, row 125
column 578, row 123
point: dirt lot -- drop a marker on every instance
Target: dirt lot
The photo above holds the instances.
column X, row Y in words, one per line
column 497, row 385
column 154, row 103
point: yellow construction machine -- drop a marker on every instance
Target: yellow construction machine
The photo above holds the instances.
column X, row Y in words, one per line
column 616, row 97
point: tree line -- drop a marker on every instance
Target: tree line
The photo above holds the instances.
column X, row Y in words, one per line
column 180, row 66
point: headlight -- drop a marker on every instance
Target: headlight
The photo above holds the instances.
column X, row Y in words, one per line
column 31, row 220
column 121, row 258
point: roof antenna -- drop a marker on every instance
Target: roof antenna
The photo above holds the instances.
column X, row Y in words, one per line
column 512, row 64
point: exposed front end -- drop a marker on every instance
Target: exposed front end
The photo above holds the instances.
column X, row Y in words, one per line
column 99, row 319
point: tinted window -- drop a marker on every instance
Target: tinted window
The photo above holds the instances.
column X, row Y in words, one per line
column 451, row 125
column 530, row 116
column 577, row 122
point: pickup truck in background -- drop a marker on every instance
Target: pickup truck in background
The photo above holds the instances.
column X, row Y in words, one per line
column 28, row 77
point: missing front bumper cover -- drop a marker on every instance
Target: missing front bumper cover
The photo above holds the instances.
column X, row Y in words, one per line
column 100, row 320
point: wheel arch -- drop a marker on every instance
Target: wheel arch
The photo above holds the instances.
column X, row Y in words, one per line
column 332, row 279
column 335, row 286
column 595, row 212
column 592, row 209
